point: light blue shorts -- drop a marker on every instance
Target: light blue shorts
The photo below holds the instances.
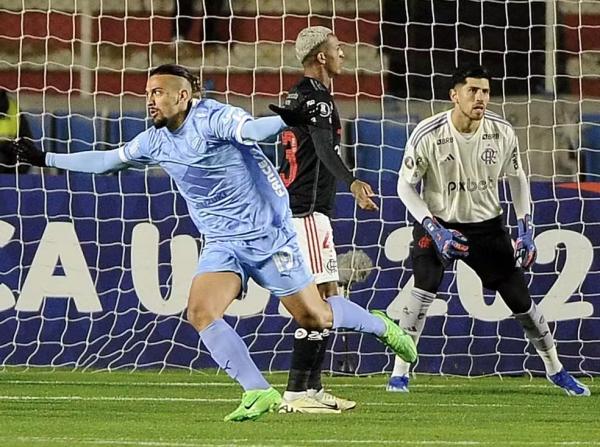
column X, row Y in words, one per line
column 274, row 262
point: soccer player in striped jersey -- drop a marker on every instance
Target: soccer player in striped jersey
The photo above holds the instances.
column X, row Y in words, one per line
column 459, row 156
column 239, row 204
column 310, row 170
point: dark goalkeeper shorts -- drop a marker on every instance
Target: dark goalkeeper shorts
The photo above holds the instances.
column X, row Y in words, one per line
column 491, row 253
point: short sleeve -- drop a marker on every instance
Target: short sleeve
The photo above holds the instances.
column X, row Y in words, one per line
column 414, row 163
column 137, row 151
column 512, row 163
column 225, row 122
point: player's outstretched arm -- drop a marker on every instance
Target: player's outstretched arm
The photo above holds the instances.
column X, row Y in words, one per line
column 303, row 115
column 260, row 129
column 24, row 151
column 94, row 162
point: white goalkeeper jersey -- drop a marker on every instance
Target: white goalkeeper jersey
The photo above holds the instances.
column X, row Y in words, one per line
column 460, row 172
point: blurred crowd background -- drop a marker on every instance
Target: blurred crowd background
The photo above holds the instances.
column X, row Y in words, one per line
column 72, row 73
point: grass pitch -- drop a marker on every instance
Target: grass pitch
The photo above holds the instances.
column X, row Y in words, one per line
column 41, row 408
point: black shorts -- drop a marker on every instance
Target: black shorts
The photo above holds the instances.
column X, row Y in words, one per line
column 491, row 253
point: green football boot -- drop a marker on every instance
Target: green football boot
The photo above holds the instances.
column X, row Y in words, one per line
column 254, row 404
column 397, row 339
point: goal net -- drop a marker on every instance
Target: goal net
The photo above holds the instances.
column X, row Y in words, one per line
column 95, row 270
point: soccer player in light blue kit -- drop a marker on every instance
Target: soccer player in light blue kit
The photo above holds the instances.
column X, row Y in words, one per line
column 237, row 201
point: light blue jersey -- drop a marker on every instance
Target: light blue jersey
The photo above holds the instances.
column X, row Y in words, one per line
column 232, row 190
column 234, row 195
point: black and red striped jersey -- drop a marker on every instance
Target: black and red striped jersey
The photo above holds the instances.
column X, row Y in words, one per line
column 311, row 163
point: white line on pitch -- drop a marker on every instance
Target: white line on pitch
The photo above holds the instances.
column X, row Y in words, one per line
column 115, row 399
column 543, row 384
column 201, row 400
column 281, row 443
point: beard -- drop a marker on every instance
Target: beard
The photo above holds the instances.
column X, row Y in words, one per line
column 159, row 122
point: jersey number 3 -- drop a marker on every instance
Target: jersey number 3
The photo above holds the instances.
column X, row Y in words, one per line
column 290, row 146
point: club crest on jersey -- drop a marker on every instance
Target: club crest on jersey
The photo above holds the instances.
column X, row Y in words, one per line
column 324, row 109
column 489, row 155
column 331, row 266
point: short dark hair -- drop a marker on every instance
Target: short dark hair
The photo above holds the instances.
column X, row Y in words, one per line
column 461, row 74
column 178, row 70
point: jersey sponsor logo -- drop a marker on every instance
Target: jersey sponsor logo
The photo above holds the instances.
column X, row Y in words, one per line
column 489, row 155
column 514, row 157
column 491, row 136
column 209, row 201
column 272, row 177
column 445, row 140
column 471, row 185
column 324, row 109
column 409, row 162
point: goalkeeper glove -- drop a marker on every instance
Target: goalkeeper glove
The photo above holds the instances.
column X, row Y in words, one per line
column 450, row 244
column 26, row 152
column 525, row 250
column 302, row 115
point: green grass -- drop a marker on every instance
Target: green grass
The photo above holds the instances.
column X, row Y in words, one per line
column 176, row 409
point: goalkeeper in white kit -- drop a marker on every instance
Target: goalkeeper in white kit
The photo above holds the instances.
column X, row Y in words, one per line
column 459, row 155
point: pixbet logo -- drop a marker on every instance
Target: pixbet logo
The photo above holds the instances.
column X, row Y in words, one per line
column 471, row 185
